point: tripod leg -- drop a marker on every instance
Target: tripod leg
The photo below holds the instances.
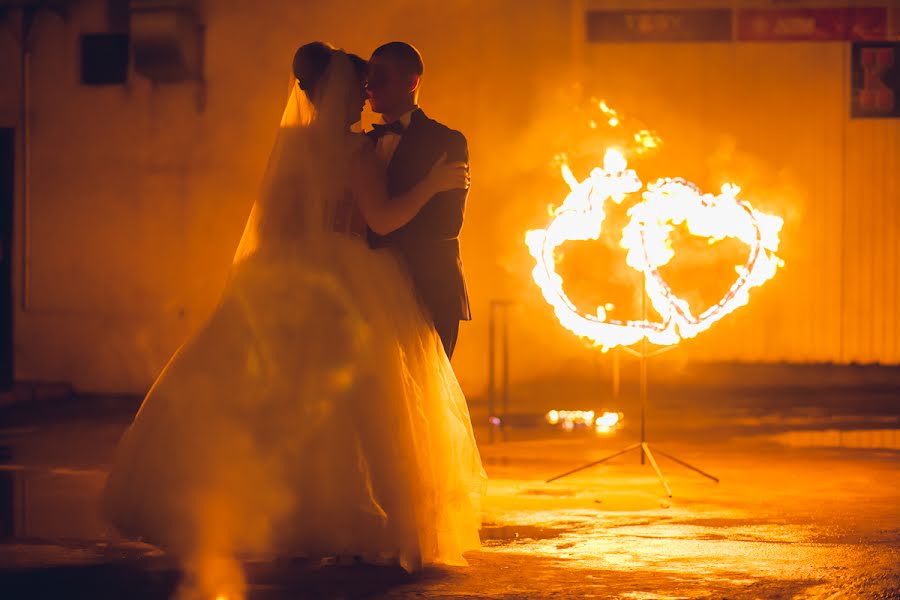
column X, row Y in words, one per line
column 596, row 462
column 646, row 450
column 684, row 464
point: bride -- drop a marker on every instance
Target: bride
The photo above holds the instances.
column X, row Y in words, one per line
column 315, row 413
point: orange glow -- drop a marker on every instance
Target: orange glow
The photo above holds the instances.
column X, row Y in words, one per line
column 570, row 419
column 671, row 202
column 667, row 203
column 213, row 575
column 612, row 116
column 606, row 422
column 646, row 140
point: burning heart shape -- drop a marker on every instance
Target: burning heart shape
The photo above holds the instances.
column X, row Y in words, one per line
column 666, row 204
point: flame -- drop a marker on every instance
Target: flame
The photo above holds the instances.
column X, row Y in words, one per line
column 671, row 202
column 613, row 117
column 212, row 576
column 606, row 422
column 666, row 204
column 570, row 419
column 646, row 140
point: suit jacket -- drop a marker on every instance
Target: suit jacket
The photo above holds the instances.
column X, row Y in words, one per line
column 429, row 243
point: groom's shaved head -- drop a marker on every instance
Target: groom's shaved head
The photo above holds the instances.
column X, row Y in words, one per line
column 405, row 55
column 395, row 72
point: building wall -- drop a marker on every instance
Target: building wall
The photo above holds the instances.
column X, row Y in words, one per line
column 137, row 198
column 774, row 118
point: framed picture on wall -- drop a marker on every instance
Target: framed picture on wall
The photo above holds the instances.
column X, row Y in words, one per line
column 875, row 80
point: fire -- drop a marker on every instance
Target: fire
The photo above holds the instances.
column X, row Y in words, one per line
column 570, row 419
column 671, row 202
column 666, row 204
column 613, row 116
column 644, row 139
column 606, row 422
column 211, row 575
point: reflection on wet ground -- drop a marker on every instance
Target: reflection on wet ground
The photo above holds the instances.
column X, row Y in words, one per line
column 504, row 534
column 799, row 513
column 811, row 428
column 885, row 439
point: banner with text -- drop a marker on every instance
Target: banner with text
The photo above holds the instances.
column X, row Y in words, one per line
column 605, row 26
column 812, row 24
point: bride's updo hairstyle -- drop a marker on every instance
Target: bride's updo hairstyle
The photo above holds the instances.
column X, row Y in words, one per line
column 312, row 60
column 310, row 63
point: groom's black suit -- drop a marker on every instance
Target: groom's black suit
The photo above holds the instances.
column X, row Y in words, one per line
column 429, row 243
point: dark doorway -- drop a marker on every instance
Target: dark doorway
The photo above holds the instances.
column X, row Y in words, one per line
column 7, row 157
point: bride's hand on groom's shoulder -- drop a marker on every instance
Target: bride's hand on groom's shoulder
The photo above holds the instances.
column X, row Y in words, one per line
column 448, row 175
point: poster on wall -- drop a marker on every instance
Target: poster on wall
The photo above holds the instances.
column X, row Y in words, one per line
column 812, row 24
column 611, row 26
column 875, row 80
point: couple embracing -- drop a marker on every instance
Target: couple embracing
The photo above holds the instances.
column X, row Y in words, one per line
column 316, row 413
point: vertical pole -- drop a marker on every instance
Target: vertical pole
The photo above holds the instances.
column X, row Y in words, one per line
column 643, row 377
column 491, row 368
column 617, row 375
column 643, row 373
column 505, row 383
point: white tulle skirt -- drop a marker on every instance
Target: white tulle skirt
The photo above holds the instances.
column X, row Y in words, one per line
column 314, row 414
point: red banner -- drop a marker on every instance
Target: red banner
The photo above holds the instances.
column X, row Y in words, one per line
column 812, row 24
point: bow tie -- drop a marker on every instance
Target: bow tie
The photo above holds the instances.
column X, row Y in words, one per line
column 379, row 130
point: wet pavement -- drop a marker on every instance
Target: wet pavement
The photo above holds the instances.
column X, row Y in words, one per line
column 806, row 507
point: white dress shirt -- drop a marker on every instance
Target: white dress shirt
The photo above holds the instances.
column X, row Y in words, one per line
column 387, row 144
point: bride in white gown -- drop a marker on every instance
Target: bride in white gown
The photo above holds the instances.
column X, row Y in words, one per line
column 315, row 413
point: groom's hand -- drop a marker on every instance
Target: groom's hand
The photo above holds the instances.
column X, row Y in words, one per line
column 446, row 175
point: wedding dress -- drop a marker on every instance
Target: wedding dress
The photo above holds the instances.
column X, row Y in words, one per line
column 315, row 412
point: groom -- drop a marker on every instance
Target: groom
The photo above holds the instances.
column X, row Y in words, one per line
column 409, row 143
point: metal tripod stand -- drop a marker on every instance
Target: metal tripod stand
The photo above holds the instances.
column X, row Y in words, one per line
column 643, row 447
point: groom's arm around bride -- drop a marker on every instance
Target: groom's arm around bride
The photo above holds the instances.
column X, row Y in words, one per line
column 409, row 143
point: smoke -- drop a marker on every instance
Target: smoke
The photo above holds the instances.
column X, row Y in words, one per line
column 770, row 188
column 510, row 74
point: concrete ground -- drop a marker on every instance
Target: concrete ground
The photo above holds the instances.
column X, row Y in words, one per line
column 806, row 507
